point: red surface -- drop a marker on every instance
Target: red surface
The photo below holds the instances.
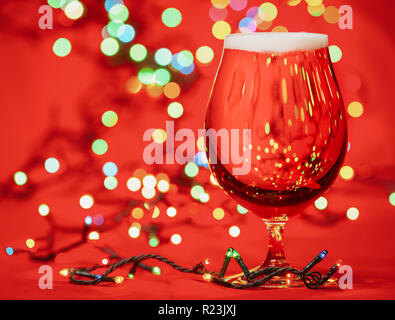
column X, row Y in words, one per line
column 39, row 90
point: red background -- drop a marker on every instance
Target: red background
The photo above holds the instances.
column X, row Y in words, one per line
column 40, row 91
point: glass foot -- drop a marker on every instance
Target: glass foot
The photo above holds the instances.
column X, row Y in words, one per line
column 288, row 280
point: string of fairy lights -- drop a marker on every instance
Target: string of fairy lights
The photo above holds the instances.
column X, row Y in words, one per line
column 161, row 73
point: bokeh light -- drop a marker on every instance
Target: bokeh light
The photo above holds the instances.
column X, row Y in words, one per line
column 355, row 109
column 51, row 165
column 247, row 25
column 352, row 213
column 30, row 243
column 86, row 201
column 175, row 239
column 234, row 231
column 56, row 3
column 162, row 76
column 138, row 52
column 109, row 46
column 133, row 184
column 391, row 198
column 204, row 54
column 146, row 75
column 267, row 11
column 347, row 172
column 204, row 197
column 335, row 53
column 134, row 232
column 218, row 213
column 74, row 10
column 197, row 191
column 148, row 193
column 153, row 242
column 99, row 147
column 220, row 4
column 118, row 13
column 20, row 178
column 316, row 10
column 171, row 212
column 94, row 235
column 61, row 47
column 110, row 183
column 158, row 136
column 172, row 90
column 191, row 170
column 9, row 251
column 126, row 33
column 238, row 5
column 321, row 203
column 293, row 3
column 163, row 56
column 171, row 17
column 331, row 14
column 133, row 85
column 138, row 213
column 43, row 209
column 221, row 29
column 163, row 186
column 241, row 209
column 109, row 118
column 279, row 29
column 175, row 110
column 217, row 14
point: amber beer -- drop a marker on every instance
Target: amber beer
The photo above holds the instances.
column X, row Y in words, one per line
column 283, row 88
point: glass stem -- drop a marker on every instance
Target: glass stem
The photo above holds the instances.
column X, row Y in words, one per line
column 275, row 256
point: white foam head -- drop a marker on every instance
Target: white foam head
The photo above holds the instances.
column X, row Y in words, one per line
column 276, row 41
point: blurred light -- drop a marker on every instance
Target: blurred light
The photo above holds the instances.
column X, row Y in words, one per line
column 331, row 14
column 204, row 54
column 110, row 3
column 51, row 165
column 171, row 212
column 241, row 209
column 238, row 5
column 156, row 271
column 355, row 109
column 109, row 118
column 146, row 75
column 316, row 10
column 335, row 53
column 196, row 191
column 109, row 46
column 213, row 180
column 9, row 251
column 126, row 33
column 20, row 178
column 88, row 220
column 148, row 193
column 217, row 14
column 347, row 172
column 208, row 277
column 189, row 69
column 163, row 186
column 61, row 47
column 352, row 213
column 110, row 169
column 159, row 136
column 391, row 198
column 74, row 10
column 153, row 242
column 138, row 52
column 247, row 25
column 293, row 3
column 134, row 232
column 279, row 29
column 56, row 3
column 155, row 213
column 171, row 17
column 110, row 183
column 321, row 203
column 94, row 235
column 104, row 261
column 191, row 170
column 118, row 279
column 140, row 173
column 175, row 239
column 218, row 213
column 30, row 243
column 98, row 219
column 200, row 143
column 64, row 272
column 185, row 58
column 138, row 213
column 149, row 181
column 234, row 231
column 113, row 27
column 175, row 110
column 172, row 90
column 221, row 29
column 163, row 56
column 43, row 209
column 99, row 146
column 133, row 85
column 220, row 4
column 118, row 13
column 201, row 159
column 86, row 201
column 267, row 11
column 162, row 76
column 204, row 197
column 133, row 184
